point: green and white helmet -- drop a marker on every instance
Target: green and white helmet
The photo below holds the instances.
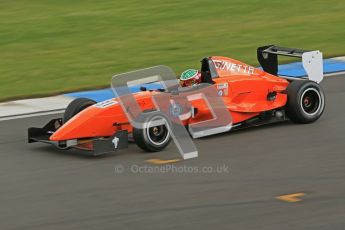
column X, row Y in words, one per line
column 190, row 77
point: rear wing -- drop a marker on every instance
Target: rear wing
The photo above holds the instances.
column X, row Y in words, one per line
column 312, row 61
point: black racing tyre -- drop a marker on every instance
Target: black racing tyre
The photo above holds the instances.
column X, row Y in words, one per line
column 306, row 101
column 152, row 139
column 76, row 106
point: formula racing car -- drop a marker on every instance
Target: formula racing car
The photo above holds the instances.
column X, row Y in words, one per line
column 252, row 97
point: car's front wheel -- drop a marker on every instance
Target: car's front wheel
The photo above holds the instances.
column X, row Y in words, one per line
column 152, row 138
column 76, row 106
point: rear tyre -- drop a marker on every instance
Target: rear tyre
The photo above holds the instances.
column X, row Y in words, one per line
column 76, row 106
column 306, row 101
column 152, row 139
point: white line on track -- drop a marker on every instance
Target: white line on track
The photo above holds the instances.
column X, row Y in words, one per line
column 334, row 74
column 35, row 114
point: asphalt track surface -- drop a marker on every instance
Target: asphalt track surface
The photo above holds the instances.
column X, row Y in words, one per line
column 45, row 188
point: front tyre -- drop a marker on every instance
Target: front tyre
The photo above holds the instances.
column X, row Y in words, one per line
column 306, row 101
column 155, row 138
column 76, row 106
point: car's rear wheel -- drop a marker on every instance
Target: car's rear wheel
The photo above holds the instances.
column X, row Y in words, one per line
column 155, row 138
column 306, row 101
column 76, row 106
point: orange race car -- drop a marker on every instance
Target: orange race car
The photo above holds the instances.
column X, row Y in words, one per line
column 252, row 96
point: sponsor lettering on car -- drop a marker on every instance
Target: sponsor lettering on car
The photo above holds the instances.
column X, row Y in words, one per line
column 105, row 104
column 223, row 89
column 232, row 67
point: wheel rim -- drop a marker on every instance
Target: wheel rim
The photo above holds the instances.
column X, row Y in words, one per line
column 158, row 135
column 311, row 101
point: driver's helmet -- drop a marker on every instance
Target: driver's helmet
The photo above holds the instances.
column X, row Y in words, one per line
column 190, row 77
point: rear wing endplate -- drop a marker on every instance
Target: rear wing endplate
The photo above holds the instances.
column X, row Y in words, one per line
column 312, row 61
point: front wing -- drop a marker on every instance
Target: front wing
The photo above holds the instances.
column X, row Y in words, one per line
column 96, row 145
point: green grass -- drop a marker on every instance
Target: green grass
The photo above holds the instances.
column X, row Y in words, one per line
column 49, row 46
